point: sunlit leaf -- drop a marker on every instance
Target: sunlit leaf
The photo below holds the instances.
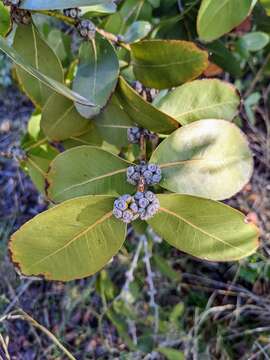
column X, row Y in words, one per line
column 208, row 158
column 70, row 241
column 87, row 170
column 204, row 228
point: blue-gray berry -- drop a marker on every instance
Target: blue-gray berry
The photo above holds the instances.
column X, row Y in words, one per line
column 87, row 29
column 151, row 173
column 148, row 204
column 126, row 208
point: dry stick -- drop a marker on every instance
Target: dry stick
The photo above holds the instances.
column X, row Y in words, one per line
column 5, row 347
column 24, row 316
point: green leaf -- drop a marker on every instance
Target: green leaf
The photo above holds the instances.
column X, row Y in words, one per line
column 204, row 228
column 5, row 20
column 208, row 158
column 70, row 241
column 137, row 31
column 224, row 58
column 163, row 64
column 201, row 99
column 113, row 123
column 254, row 41
column 87, row 170
column 142, row 112
column 37, row 164
column 60, row 119
column 36, row 52
column 266, row 5
column 61, row 44
column 90, row 137
column 171, row 354
column 217, row 18
column 42, row 78
column 97, row 74
column 59, row 4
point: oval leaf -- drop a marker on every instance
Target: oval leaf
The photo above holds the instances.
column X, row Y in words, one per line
column 90, row 137
column 70, row 241
column 60, row 119
column 42, row 78
column 208, row 158
column 204, row 228
column 163, row 64
column 86, row 170
column 60, row 4
column 142, row 112
column 217, row 18
column 97, row 74
column 201, row 99
column 113, row 123
column 36, row 52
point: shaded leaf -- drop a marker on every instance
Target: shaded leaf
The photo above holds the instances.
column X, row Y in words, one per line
column 163, row 64
column 254, row 41
column 201, row 99
column 208, row 158
column 137, row 31
column 60, row 119
column 204, row 228
column 217, row 18
column 113, row 123
column 42, row 78
column 36, row 52
column 86, row 170
column 59, row 4
column 70, row 241
column 223, row 57
column 90, row 137
column 142, row 112
column 97, row 74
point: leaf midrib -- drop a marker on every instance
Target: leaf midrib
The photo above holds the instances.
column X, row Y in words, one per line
column 71, row 241
column 135, row 63
column 103, row 176
column 200, row 229
column 180, row 115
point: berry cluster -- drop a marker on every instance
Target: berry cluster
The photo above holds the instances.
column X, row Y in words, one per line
column 87, row 29
column 126, row 209
column 143, row 205
column 20, row 16
column 135, row 133
column 151, row 174
column 147, row 203
column 73, row 13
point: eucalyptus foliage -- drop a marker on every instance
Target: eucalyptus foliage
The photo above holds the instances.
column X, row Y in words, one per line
column 129, row 71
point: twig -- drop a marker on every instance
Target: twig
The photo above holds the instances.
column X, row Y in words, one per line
column 5, row 347
column 150, row 275
column 21, row 315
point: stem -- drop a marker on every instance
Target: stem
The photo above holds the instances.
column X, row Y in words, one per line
column 109, row 36
column 257, row 77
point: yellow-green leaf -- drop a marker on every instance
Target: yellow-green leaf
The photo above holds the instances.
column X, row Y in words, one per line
column 86, row 170
column 208, row 158
column 70, row 241
column 201, row 99
column 204, row 228
column 163, row 64
column 217, row 18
